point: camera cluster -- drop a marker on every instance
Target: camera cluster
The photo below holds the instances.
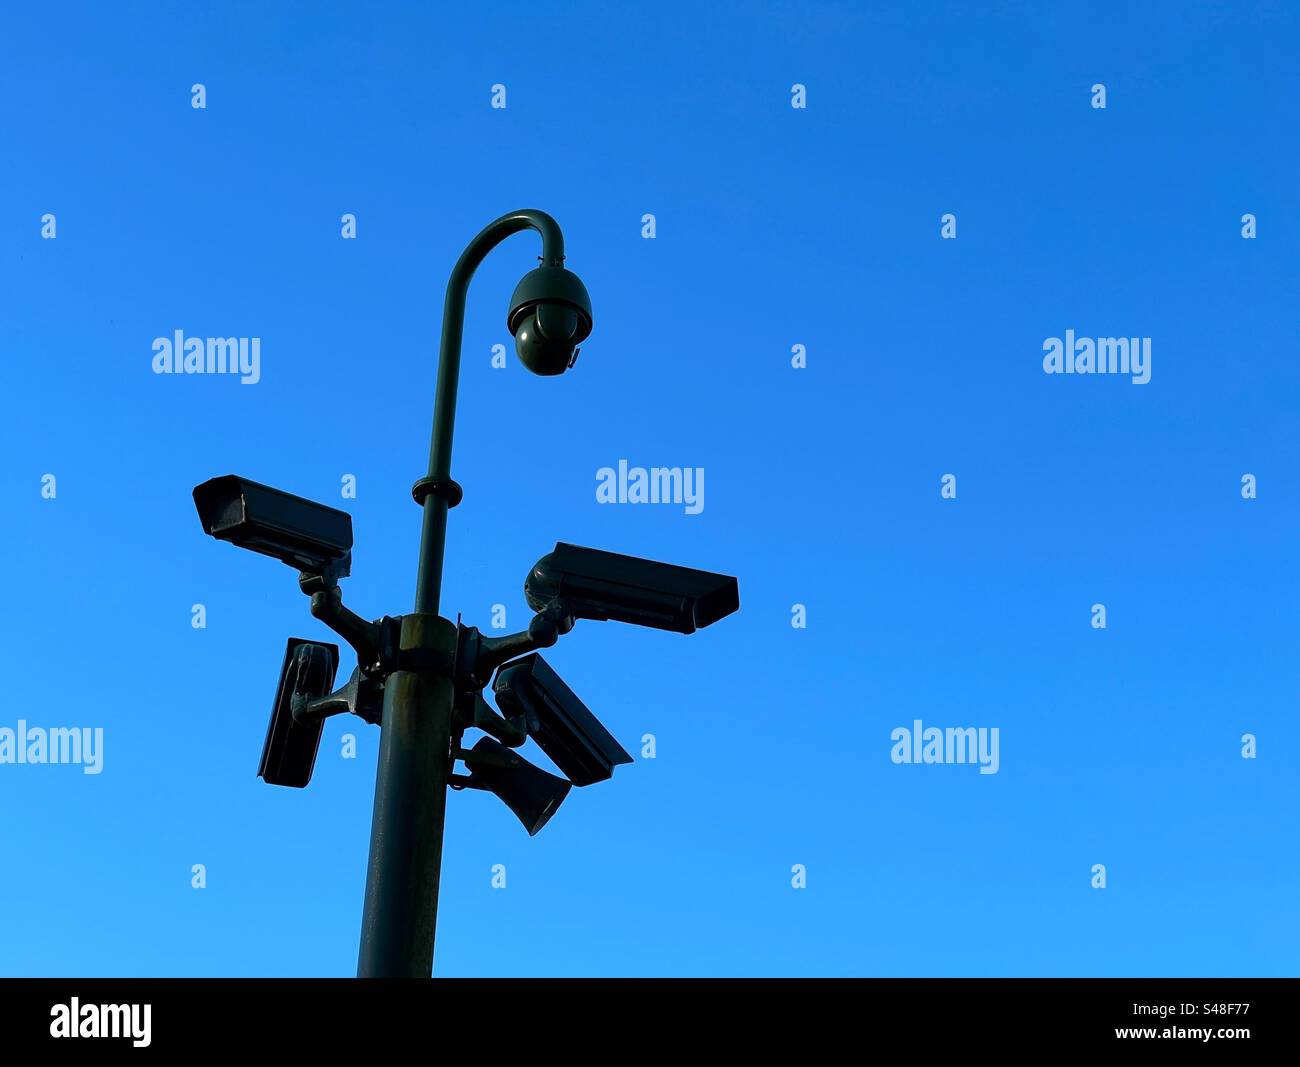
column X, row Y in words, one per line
column 567, row 584
column 421, row 677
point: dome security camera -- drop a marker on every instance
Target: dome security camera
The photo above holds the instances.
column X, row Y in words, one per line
column 550, row 315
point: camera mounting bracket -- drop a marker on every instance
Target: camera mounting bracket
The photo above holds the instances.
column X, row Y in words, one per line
column 370, row 640
column 473, row 710
column 478, row 657
column 362, row 696
column 469, row 757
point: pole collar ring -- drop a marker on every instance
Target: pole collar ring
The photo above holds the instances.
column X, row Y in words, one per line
column 449, row 490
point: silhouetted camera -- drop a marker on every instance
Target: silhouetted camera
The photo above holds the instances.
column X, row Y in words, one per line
column 289, row 754
column 604, row 585
column 308, row 536
column 557, row 720
column 550, row 315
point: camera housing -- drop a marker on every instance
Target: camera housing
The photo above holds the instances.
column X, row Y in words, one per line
column 599, row 585
column 560, row 723
column 550, row 315
column 308, row 536
column 289, row 753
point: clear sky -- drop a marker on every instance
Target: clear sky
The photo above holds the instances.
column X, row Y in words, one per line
column 775, row 226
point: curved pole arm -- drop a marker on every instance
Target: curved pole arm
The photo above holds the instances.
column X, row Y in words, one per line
column 434, row 534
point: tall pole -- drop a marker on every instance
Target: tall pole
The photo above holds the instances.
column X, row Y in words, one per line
column 401, row 903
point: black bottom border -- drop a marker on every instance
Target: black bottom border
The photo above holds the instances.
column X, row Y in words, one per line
column 611, row 1017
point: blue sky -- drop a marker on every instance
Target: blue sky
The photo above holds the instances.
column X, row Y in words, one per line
column 775, row 226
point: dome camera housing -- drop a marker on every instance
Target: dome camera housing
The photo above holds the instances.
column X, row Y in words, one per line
column 550, row 315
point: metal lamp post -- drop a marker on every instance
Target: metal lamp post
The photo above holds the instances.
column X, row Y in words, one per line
column 397, row 927
column 421, row 677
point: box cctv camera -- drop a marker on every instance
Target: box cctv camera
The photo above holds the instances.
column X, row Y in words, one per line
column 289, row 754
column 604, row 585
column 301, row 533
column 583, row 750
